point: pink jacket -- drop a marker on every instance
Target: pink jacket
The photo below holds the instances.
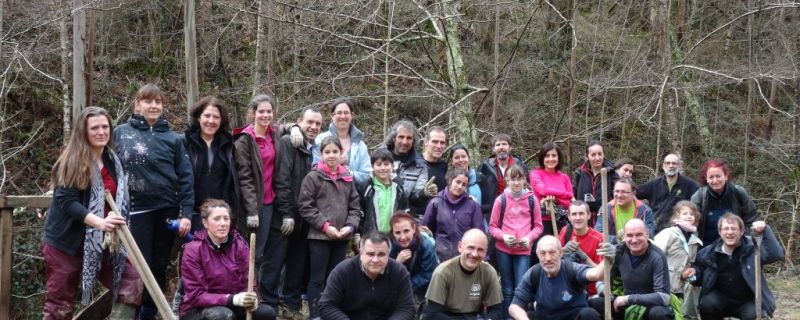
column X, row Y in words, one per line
column 516, row 221
column 555, row 184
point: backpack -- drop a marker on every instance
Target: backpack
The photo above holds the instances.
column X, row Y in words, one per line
column 531, row 205
column 572, row 278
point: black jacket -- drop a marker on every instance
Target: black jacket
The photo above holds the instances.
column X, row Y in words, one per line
column 367, row 193
column 228, row 188
column 741, row 205
column 584, row 182
column 487, row 180
column 662, row 200
column 160, row 173
column 292, row 166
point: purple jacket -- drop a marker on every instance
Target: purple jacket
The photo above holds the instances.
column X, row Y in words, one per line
column 211, row 275
column 449, row 219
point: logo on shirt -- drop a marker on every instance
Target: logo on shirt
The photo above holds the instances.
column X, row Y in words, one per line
column 566, row 296
column 475, row 291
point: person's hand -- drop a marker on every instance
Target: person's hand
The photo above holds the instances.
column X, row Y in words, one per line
column 572, row 246
column 332, row 232
column 424, row 229
column 758, row 227
column 430, row 187
column 581, row 255
column 688, row 272
column 524, row 242
column 252, row 222
column 287, row 226
column 344, row 232
column 296, row 136
column 509, row 239
column 608, row 251
column 185, row 227
column 245, row 300
column 620, row 303
column 404, row 255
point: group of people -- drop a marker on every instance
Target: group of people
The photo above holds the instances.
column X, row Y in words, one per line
column 430, row 236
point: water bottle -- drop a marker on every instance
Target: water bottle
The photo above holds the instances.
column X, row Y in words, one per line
column 174, row 225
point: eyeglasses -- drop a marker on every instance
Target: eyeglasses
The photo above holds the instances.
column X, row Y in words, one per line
column 622, row 192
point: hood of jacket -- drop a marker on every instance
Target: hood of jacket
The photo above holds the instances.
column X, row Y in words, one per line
column 137, row 121
column 356, row 135
column 202, row 236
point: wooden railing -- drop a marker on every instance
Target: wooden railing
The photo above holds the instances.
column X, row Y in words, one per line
column 7, row 205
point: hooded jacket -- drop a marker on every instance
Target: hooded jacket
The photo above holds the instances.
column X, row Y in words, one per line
column 641, row 211
column 412, row 170
column 369, row 203
column 680, row 253
column 358, row 156
column 327, row 201
column 196, row 150
column 707, row 273
column 422, row 262
column 448, row 219
column 159, row 168
column 517, row 222
column 585, row 182
column 210, row 274
column 488, row 183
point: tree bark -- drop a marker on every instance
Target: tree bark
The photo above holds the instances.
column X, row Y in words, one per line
column 496, row 54
column 67, row 120
column 190, row 46
column 261, row 39
column 78, row 59
column 390, row 17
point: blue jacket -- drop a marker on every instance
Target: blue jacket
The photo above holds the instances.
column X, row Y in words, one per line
column 474, row 188
column 159, row 167
column 771, row 251
column 359, row 163
column 422, row 263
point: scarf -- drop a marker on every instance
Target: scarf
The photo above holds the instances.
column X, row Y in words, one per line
column 93, row 240
column 685, row 227
column 340, row 171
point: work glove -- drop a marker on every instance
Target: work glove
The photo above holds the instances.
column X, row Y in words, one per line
column 582, row 256
column 509, row 239
column 252, row 222
column 244, row 299
column 430, row 188
column 356, row 242
column 571, row 246
column 287, row 226
column 608, row 251
column 524, row 242
column 296, row 136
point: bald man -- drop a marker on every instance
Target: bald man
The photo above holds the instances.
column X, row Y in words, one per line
column 644, row 274
column 557, row 286
column 664, row 192
column 462, row 286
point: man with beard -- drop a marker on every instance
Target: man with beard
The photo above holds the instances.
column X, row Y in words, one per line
column 556, row 286
column 462, row 286
column 409, row 167
column 664, row 192
column 493, row 170
column 435, row 143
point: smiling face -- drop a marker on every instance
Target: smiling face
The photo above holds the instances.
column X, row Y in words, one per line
column 730, row 232
column 98, row 131
column 551, row 160
column 671, row 165
column 458, row 185
column 579, row 217
column 623, row 193
column 150, row 109
column 595, row 156
column 472, row 248
column 403, row 141
column 217, row 224
column 342, row 116
column 625, row 171
column 374, row 257
column 435, row 143
column 549, row 253
column 209, row 121
column 501, row 149
column 686, row 215
column 382, row 169
column 460, row 159
column 310, row 123
column 403, row 233
column 516, row 184
column 331, row 155
column 635, row 234
column 263, row 115
column 716, row 178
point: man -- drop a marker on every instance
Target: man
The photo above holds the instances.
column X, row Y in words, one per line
column 287, row 243
column 580, row 240
column 435, row 143
column 557, row 290
column 726, row 271
column 462, row 286
column 663, row 193
column 624, row 168
column 625, row 207
column 368, row 287
column 645, row 277
column 409, row 167
column 493, row 170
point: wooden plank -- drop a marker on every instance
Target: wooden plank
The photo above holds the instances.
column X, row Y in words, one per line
column 100, row 308
column 6, row 237
column 27, row 201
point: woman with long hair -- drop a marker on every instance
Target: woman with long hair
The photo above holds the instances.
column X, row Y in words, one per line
column 717, row 196
column 79, row 217
column 415, row 250
column 355, row 154
column 551, row 186
column 586, row 180
column 160, row 180
column 459, row 159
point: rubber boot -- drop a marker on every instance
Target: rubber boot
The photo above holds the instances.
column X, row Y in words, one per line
column 122, row 311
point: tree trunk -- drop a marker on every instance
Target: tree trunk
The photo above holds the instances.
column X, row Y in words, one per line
column 67, row 121
column 91, row 40
column 261, row 39
column 78, row 59
column 496, row 54
column 751, row 88
column 573, row 79
column 295, row 51
column 390, row 17
column 190, row 46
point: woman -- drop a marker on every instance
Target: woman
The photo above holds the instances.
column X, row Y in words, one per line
column 415, row 250
column 160, row 181
column 328, row 200
column 515, row 224
column 587, row 182
column 459, row 158
column 717, row 196
column 680, row 243
column 214, row 270
column 355, row 154
column 210, row 148
column 77, row 219
column 451, row 213
column 550, row 185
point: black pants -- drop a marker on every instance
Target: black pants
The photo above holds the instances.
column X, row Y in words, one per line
column 155, row 241
column 281, row 251
column 327, row 254
column 586, row 313
column 715, row 305
column 264, row 312
column 653, row 313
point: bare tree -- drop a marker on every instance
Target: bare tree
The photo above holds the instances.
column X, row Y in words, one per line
column 190, row 47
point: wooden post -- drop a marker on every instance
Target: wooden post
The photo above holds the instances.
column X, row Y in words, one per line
column 551, row 207
column 757, row 263
column 6, row 238
column 251, row 272
column 606, row 262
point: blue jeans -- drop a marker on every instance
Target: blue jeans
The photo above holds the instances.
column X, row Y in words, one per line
column 512, row 267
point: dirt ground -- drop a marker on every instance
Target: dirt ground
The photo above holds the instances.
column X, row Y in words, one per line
column 786, row 287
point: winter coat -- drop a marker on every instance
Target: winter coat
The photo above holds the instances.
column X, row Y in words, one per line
column 771, row 251
column 422, row 262
column 641, row 211
column 160, row 173
column 247, row 156
column 210, row 274
column 474, row 187
column 449, row 219
column 358, row 156
column 325, row 200
column 195, row 148
column 556, row 184
column 585, row 182
column 291, row 167
column 488, row 171
column 741, row 204
column 516, row 221
column 680, row 253
column 369, row 204
column 661, row 199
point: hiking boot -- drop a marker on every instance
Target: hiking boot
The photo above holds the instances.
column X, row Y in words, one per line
column 287, row 313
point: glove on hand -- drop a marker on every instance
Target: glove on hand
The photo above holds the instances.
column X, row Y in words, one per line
column 430, row 188
column 297, row 138
column 524, row 242
column 509, row 239
column 244, row 299
column 581, row 255
column 571, row 246
column 608, row 251
column 287, row 227
column 252, row 222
